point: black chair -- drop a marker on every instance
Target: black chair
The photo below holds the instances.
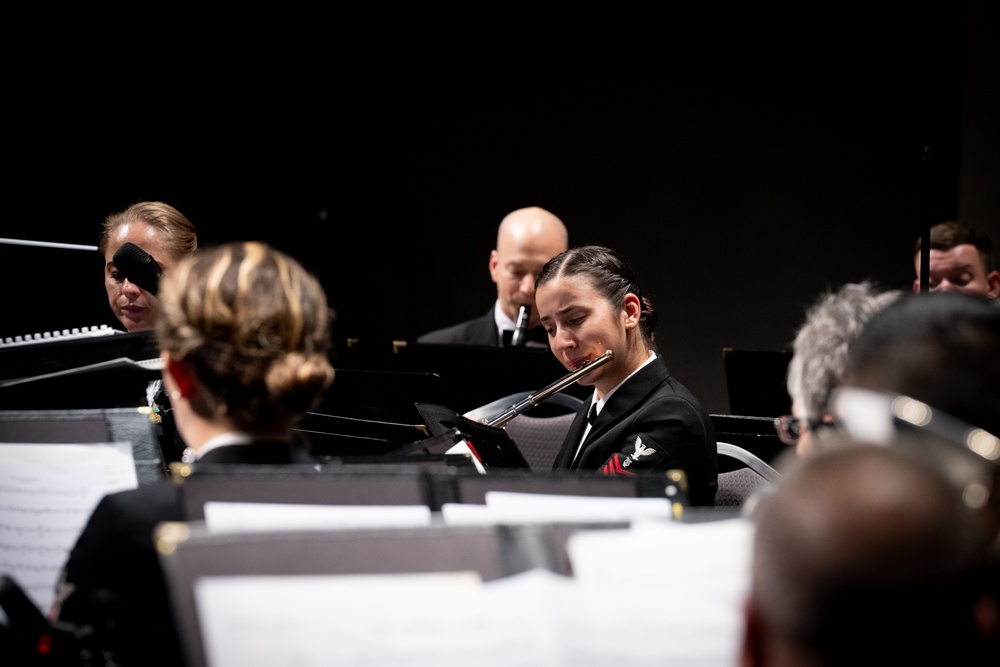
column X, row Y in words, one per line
column 539, row 438
column 753, row 434
column 747, row 474
column 539, row 431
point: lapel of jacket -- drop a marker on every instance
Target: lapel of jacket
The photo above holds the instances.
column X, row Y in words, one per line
column 624, row 401
column 485, row 330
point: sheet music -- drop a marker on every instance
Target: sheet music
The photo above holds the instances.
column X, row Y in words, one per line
column 705, row 554
column 700, row 572
column 534, row 619
column 372, row 620
column 47, row 492
column 234, row 517
column 513, row 507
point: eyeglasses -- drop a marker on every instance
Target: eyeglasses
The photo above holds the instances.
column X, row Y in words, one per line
column 790, row 428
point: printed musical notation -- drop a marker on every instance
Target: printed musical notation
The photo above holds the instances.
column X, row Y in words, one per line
column 47, row 492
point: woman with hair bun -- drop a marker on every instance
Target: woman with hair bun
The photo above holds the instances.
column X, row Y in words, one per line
column 243, row 332
column 244, row 338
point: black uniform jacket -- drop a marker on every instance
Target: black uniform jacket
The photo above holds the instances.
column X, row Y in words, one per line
column 480, row 331
column 652, row 423
column 113, row 579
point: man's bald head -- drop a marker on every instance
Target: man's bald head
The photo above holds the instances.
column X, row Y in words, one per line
column 534, row 224
column 526, row 239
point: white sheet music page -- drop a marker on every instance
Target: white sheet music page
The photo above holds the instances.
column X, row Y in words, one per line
column 697, row 573
column 234, row 517
column 47, row 492
column 533, row 619
column 555, row 507
column 515, row 507
column 417, row 620
column 708, row 554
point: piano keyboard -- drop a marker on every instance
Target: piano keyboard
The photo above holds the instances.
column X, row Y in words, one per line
column 54, row 336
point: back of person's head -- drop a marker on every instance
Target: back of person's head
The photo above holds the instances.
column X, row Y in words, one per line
column 819, row 351
column 254, row 326
column 942, row 348
column 610, row 274
column 863, row 555
column 950, row 233
column 176, row 232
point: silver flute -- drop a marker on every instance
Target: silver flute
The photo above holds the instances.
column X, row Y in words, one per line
column 557, row 386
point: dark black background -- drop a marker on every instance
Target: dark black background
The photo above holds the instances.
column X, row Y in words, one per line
column 744, row 159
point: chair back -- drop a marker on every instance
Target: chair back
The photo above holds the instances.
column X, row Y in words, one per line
column 539, row 438
column 539, row 431
column 737, row 486
column 747, row 475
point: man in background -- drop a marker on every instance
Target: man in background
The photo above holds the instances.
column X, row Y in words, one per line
column 526, row 239
column 961, row 260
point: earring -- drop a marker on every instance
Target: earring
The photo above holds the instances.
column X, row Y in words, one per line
column 175, row 394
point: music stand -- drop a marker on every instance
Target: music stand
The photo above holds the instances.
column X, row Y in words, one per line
column 304, row 485
column 91, row 426
column 491, row 446
column 756, row 381
column 474, row 374
column 386, row 395
column 190, row 554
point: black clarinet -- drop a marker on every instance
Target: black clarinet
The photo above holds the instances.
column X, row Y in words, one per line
column 517, row 340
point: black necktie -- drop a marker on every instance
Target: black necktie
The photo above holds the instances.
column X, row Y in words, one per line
column 592, row 414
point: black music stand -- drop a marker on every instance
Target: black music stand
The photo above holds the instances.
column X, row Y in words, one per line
column 491, row 446
column 304, row 485
column 380, row 394
column 474, row 374
column 756, row 381
column 197, row 555
column 90, row 426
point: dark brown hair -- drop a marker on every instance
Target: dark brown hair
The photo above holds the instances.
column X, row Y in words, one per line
column 610, row 274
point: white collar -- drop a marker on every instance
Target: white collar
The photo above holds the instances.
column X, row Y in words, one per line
column 600, row 403
column 503, row 322
column 221, row 440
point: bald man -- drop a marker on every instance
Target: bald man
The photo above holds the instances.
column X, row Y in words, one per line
column 526, row 239
column 867, row 555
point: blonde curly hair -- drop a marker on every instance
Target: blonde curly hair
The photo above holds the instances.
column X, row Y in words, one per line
column 255, row 327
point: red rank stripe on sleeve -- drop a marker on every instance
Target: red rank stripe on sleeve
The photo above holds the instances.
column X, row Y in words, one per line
column 614, row 467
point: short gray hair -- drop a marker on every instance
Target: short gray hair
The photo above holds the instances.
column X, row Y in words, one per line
column 819, row 352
